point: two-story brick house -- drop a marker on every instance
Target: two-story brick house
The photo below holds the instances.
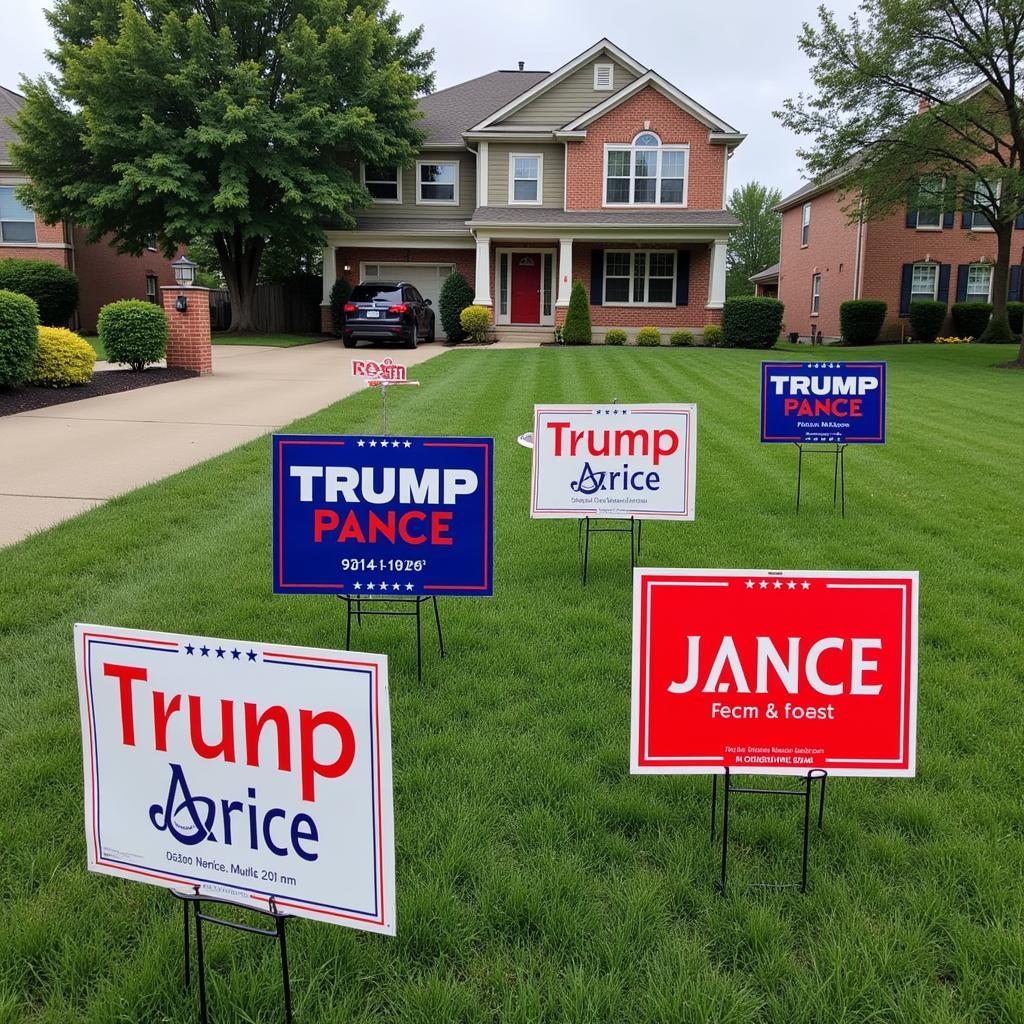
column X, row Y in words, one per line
column 601, row 171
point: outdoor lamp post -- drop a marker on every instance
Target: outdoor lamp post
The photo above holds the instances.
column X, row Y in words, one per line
column 185, row 275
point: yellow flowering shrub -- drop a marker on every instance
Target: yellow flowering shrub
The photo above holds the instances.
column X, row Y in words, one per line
column 62, row 359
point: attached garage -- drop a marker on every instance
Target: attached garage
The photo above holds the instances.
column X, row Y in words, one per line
column 426, row 277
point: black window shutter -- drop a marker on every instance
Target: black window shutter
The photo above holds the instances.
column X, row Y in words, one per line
column 967, row 220
column 947, row 219
column 1014, row 293
column 944, row 269
column 961, row 282
column 683, row 277
column 597, row 277
column 1019, row 222
column 911, row 218
column 905, row 284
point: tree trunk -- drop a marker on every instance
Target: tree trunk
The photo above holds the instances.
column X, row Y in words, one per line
column 240, row 264
column 998, row 329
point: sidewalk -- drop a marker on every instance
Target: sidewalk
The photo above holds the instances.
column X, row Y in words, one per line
column 57, row 462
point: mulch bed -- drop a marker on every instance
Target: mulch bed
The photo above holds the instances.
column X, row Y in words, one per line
column 104, row 382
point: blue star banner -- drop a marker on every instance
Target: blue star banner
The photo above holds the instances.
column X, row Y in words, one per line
column 368, row 516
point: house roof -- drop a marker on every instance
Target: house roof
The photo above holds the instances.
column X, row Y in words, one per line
column 450, row 112
column 10, row 104
column 551, row 216
column 767, row 274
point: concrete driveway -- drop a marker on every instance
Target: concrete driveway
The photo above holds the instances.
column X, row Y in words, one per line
column 57, row 462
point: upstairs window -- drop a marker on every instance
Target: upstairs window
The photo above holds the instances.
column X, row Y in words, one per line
column 438, row 183
column 930, row 193
column 151, row 290
column 924, row 282
column 646, row 173
column 983, row 197
column 805, row 225
column 17, row 221
column 604, row 77
column 525, row 179
column 383, row 183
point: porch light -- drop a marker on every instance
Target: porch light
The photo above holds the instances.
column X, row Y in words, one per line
column 184, row 271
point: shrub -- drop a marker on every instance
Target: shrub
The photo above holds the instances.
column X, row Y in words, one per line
column 340, row 291
column 474, row 321
column 953, row 341
column 62, row 359
column 576, row 330
column 1015, row 313
column 616, row 336
column 860, row 320
column 926, row 319
column 752, row 321
column 456, row 295
column 19, row 337
column 648, row 336
column 712, row 334
column 680, row 338
column 971, row 318
column 133, row 332
column 54, row 289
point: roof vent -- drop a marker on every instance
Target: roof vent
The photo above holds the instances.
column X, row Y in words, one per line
column 522, row 64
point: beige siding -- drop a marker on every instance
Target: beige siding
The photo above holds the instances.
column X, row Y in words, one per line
column 553, row 184
column 409, row 207
column 571, row 97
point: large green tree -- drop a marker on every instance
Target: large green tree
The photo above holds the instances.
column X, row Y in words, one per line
column 234, row 121
column 754, row 245
column 918, row 101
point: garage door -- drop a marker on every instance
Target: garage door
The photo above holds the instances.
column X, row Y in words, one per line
column 426, row 277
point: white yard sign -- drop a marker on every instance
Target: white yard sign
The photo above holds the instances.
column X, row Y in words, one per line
column 240, row 770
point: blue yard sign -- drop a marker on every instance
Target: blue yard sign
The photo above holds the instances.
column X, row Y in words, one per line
column 383, row 516
column 840, row 403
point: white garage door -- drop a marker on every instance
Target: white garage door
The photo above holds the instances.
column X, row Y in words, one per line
column 426, row 277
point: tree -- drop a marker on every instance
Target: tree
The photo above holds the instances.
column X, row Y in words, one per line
column 917, row 102
column 577, row 330
column 236, row 122
column 754, row 245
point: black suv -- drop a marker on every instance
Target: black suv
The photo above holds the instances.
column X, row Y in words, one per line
column 388, row 311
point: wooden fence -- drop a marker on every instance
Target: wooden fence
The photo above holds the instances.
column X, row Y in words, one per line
column 292, row 308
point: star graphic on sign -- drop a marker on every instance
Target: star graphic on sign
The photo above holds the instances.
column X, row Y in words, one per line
column 750, row 584
column 373, row 444
column 220, row 652
column 394, row 444
column 777, row 585
column 763, row 584
column 250, row 654
column 189, row 649
column 369, row 586
column 236, row 654
column 357, row 586
column 791, row 584
column 805, row 585
column 360, row 443
column 383, row 586
column 408, row 444
column 204, row 651
column 408, row 586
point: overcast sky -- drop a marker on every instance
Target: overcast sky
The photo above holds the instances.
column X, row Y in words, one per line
column 739, row 58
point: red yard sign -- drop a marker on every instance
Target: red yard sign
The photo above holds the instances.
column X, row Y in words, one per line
column 774, row 672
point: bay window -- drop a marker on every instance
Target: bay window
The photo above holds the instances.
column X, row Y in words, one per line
column 645, row 173
column 438, row 183
column 383, row 183
column 924, row 281
column 640, row 278
column 17, row 221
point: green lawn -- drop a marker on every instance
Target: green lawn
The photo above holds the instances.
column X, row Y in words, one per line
column 276, row 340
column 537, row 880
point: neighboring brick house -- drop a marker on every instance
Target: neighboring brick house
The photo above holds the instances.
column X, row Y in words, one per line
column 825, row 259
column 104, row 275
column 600, row 171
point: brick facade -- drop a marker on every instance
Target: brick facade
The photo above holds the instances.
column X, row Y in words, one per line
column 188, row 333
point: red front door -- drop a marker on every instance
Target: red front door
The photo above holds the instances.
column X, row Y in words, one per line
column 526, row 288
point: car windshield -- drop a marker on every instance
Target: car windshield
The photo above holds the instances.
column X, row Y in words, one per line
column 376, row 293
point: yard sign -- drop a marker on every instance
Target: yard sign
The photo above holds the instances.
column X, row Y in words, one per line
column 368, row 516
column 805, row 403
column 770, row 672
column 374, row 373
column 615, row 461
column 240, row 770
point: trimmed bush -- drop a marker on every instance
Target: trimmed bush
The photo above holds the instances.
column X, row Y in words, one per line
column 712, row 335
column 752, row 321
column 970, row 318
column 648, row 337
column 576, row 330
column 680, row 338
column 1015, row 314
column 860, row 320
column 340, row 291
column 133, row 332
column 54, row 289
column 62, row 360
column 926, row 319
column 19, row 337
column 474, row 321
column 456, row 295
column 616, row 336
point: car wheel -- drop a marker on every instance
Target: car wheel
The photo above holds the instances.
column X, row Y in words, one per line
column 433, row 327
column 348, row 342
column 414, row 338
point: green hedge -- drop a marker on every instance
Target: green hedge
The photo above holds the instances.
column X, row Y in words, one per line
column 861, row 320
column 577, row 330
column 340, row 291
column 1015, row 314
column 926, row 319
column 970, row 318
column 752, row 321
column 19, row 338
column 54, row 289
column 456, row 295
column 133, row 332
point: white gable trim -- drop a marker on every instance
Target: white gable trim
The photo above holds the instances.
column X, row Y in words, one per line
column 667, row 89
column 602, row 46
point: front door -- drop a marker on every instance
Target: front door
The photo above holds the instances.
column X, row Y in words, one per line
column 525, row 288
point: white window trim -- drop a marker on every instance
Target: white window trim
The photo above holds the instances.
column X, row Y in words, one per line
column 647, row 278
column 935, row 278
column 610, row 87
column 805, row 225
column 512, row 157
column 398, row 179
column 420, row 201
column 991, row 275
column 28, row 220
column 618, row 146
column 918, row 226
column 815, row 294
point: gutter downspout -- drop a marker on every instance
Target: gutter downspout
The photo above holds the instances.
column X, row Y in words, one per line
column 858, row 264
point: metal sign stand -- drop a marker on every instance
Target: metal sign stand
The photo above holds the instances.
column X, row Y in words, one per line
column 195, row 902
column 631, row 526
column 814, row 775
column 838, row 473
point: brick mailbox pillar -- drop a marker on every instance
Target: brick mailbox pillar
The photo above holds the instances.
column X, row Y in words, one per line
column 188, row 332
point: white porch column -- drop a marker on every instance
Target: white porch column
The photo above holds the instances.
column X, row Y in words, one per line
column 564, row 271
column 716, row 286
column 330, row 274
column 483, row 272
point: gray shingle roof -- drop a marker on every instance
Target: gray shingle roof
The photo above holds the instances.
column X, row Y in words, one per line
column 449, row 112
column 10, row 104
column 635, row 218
column 766, row 274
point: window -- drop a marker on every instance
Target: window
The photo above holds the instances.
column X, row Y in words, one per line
column 924, row 281
column 151, row 291
column 979, row 282
column 930, row 192
column 503, row 288
column 525, row 172
column 17, row 221
column 151, row 241
column 438, row 182
column 981, row 197
column 805, row 225
column 645, row 173
column 384, row 292
column 604, row 77
column 383, row 183
column 815, row 294
column 640, row 278
column 546, row 281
